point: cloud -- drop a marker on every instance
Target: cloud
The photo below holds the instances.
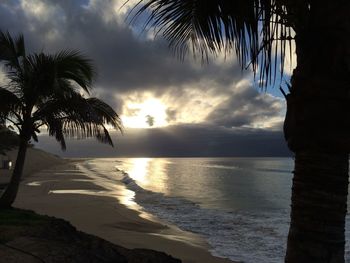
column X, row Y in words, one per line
column 124, row 60
column 178, row 141
column 3, row 78
column 132, row 67
column 247, row 107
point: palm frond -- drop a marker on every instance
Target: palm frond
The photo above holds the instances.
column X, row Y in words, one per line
column 10, row 104
column 38, row 78
column 86, row 129
column 44, row 90
column 78, row 117
column 109, row 116
column 72, row 65
column 248, row 27
column 46, row 76
column 11, row 49
column 55, row 128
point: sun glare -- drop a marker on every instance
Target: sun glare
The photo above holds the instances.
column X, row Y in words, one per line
column 148, row 114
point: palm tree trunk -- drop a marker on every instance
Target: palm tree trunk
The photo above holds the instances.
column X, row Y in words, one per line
column 319, row 195
column 9, row 196
column 317, row 129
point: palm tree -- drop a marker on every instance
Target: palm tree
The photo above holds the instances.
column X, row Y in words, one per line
column 317, row 123
column 46, row 91
column 8, row 139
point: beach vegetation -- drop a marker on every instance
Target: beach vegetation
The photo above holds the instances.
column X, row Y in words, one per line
column 30, row 237
column 49, row 92
column 264, row 34
column 15, row 217
column 8, row 139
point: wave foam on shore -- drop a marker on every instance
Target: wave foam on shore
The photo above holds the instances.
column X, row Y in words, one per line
column 240, row 235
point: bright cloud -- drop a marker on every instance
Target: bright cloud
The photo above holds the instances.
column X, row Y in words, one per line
column 145, row 114
column 138, row 75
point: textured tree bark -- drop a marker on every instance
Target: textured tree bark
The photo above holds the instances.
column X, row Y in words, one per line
column 317, row 129
column 9, row 196
column 320, row 188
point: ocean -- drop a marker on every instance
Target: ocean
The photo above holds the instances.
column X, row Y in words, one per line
column 239, row 205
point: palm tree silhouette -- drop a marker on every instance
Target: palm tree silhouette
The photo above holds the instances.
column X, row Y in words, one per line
column 317, row 124
column 46, row 91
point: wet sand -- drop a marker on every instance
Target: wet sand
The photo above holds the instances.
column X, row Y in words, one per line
column 65, row 190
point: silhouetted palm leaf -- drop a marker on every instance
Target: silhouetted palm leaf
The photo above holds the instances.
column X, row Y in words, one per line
column 74, row 66
column 10, row 105
column 11, row 50
column 78, row 117
column 44, row 90
column 249, row 27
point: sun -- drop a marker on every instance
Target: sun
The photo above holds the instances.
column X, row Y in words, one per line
column 149, row 114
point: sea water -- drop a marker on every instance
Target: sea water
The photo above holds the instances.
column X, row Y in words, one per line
column 240, row 206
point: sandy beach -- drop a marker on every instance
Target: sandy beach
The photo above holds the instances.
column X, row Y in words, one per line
column 61, row 188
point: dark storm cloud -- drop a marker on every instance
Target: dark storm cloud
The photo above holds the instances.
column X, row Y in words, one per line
column 125, row 61
column 245, row 107
column 171, row 115
column 178, row 141
column 128, row 63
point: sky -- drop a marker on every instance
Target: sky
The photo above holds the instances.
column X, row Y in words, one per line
column 169, row 107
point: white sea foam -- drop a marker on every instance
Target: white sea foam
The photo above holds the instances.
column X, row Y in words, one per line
column 246, row 234
column 240, row 236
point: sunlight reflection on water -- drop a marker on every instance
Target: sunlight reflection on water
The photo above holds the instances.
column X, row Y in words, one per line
column 149, row 173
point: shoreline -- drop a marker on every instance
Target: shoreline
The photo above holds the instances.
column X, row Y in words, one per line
column 67, row 191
